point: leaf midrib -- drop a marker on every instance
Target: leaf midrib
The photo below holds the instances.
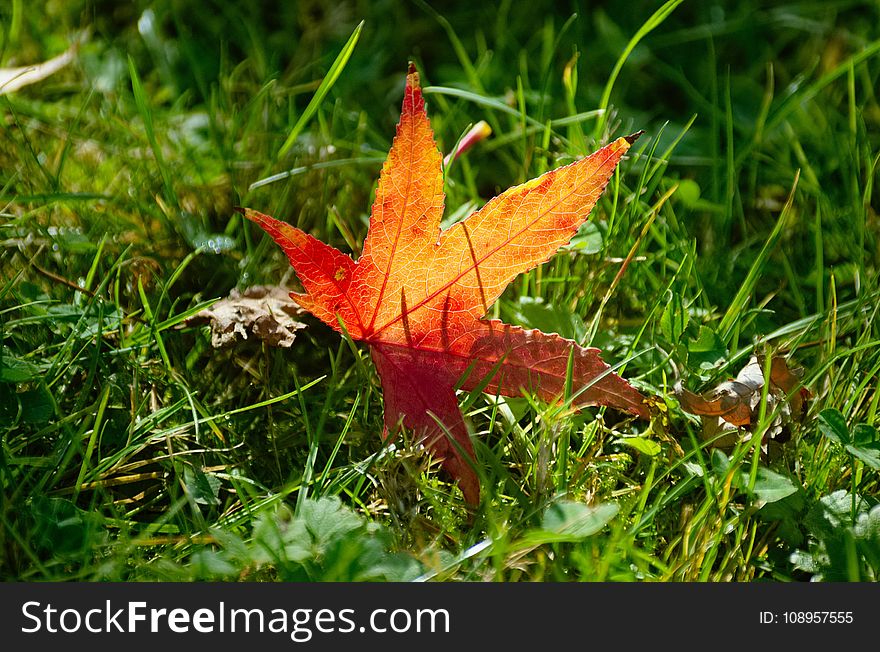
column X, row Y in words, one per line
column 386, row 273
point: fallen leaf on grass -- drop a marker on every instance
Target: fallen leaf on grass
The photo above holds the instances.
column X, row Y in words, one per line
column 735, row 403
column 417, row 295
column 265, row 312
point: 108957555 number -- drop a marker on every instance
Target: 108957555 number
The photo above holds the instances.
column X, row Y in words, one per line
column 807, row 617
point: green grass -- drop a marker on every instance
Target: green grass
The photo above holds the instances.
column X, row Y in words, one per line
column 133, row 450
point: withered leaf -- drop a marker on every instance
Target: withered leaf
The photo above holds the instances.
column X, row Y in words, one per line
column 735, row 403
column 265, row 312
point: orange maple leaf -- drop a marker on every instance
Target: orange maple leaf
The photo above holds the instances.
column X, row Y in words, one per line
column 417, row 295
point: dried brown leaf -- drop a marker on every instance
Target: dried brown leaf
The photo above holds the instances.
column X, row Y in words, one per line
column 735, row 403
column 266, row 312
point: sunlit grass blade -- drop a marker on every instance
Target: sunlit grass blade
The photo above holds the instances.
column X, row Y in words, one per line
column 649, row 25
column 734, row 314
column 328, row 82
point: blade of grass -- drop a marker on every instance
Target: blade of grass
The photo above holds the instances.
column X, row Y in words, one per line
column 151, row 318
column 93, row 438
column 328, row 82
column 143, row 107
column 460, row 51
column 734, row 312
column 649, row 25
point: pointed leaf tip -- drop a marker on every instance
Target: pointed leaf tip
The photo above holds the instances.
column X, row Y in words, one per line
column 413, row 101
column 634, row 137
column 412, row 77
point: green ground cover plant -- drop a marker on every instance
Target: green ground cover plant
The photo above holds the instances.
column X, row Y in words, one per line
column 743, row 222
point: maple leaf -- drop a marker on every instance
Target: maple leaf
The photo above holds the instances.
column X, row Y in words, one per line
column 417, row 296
